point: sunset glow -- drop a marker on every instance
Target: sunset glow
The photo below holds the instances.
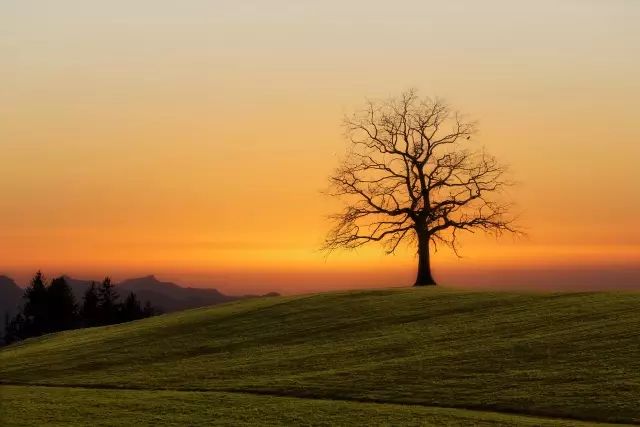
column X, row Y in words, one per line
column 193, row 140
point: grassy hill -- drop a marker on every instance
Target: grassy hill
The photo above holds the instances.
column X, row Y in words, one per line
column 342, row 354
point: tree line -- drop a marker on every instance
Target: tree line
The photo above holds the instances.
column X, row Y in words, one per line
column 51, row 307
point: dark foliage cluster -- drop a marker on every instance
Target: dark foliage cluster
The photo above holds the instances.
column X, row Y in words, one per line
column 51, row 307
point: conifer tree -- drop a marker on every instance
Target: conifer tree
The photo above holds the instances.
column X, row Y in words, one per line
column 149, row 310
column 131, row 309
column 90, row 312
column 108, row 302
column 36, row 316
column 15, row 329
column 62, row 308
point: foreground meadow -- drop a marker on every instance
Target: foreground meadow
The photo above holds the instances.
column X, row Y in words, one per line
column 397, row 356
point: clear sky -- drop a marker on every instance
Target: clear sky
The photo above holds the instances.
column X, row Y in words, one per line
column 192, row 139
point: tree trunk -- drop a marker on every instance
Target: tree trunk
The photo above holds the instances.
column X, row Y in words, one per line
column 424, row 277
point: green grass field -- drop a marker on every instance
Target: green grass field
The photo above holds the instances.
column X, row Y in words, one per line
column 400, row 356
column 35, row 406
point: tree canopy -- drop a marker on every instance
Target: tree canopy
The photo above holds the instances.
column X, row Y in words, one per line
column 411, row 175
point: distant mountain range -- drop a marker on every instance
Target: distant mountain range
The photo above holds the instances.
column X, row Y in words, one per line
column 10, row 299
column 166, row 296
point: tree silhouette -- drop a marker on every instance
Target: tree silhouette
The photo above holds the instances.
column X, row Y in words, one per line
column 36, row 316
column 62, row 309
column 148, row 310
column 53, row 308
column 409, row 176
column 15, row 329
column 108, row 302
column 131, row 309
column 90, row 312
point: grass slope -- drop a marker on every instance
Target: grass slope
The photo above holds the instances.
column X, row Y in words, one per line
column 561, row 355
column 30, row 406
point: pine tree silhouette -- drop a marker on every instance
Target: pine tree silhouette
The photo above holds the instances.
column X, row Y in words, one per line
column 90, row 312
column 131, row 309
column 62, row 308
column 149, row 310
column 108, row 302
column 15, row 329
column 53, row 308
column 36, row 316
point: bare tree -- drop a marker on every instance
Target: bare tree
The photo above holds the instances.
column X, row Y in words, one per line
column 409, row 177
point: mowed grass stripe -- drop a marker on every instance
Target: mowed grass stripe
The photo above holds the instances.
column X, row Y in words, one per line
column 59, row 406
column 277, row 394
column 561, row 355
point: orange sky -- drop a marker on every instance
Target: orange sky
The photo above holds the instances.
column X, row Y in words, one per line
column 192, row 140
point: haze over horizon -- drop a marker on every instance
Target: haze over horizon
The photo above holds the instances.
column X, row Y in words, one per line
column 192, row 140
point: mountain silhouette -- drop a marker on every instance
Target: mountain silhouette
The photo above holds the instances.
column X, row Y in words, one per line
column 79, row 287
column 169, row 296
column 10, row 299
